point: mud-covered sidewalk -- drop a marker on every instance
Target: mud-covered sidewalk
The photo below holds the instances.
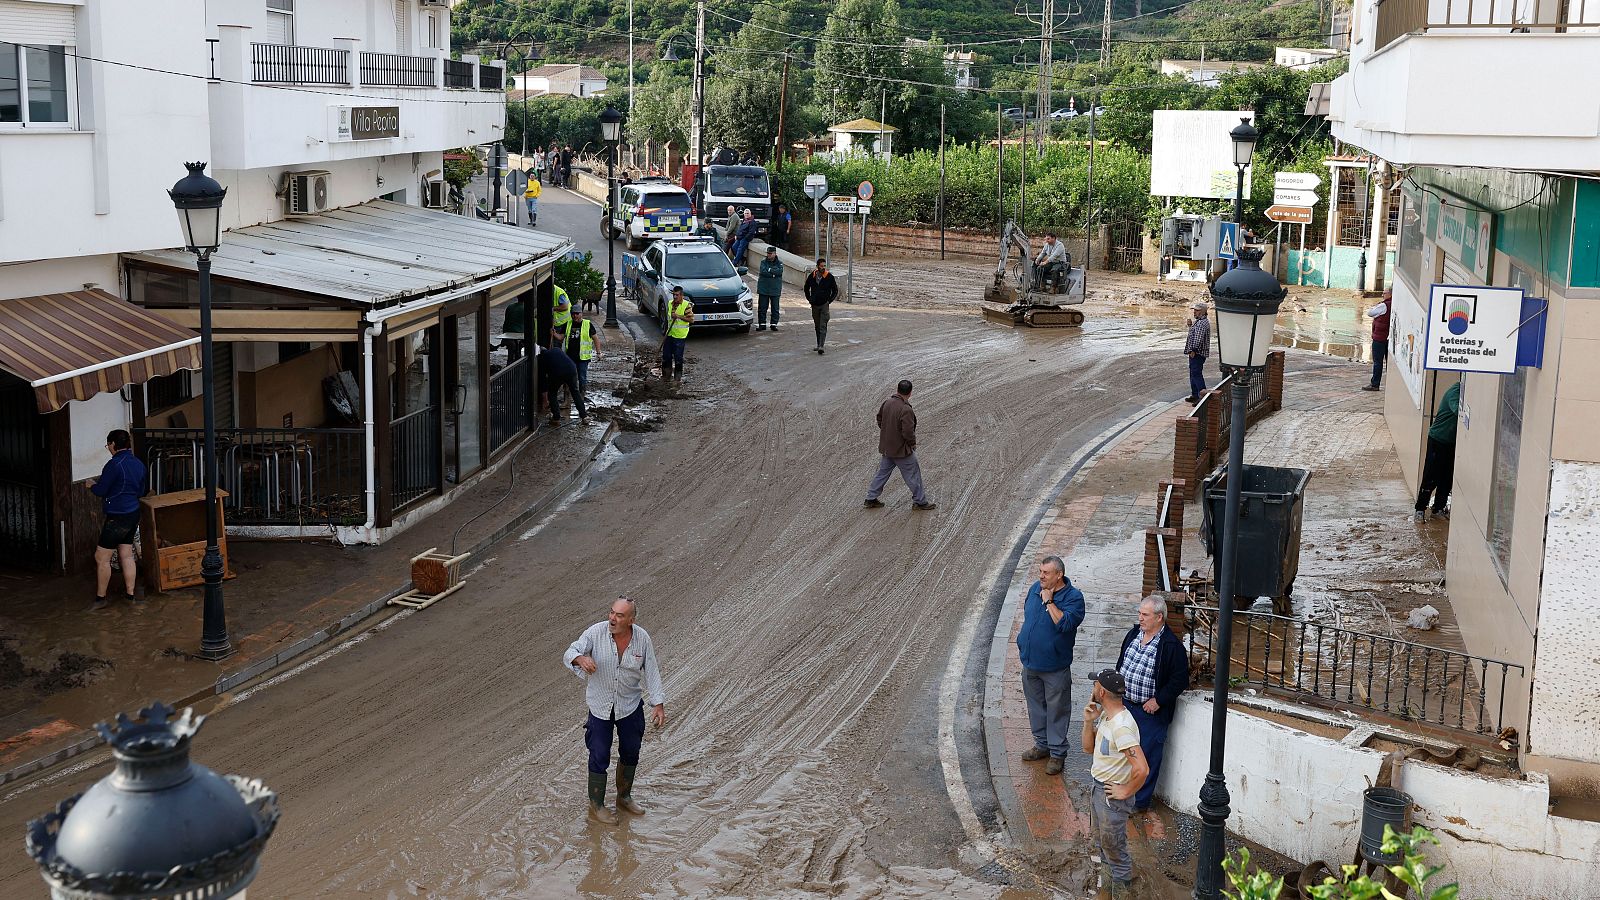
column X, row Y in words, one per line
column 1364, row 563
column 64, row 667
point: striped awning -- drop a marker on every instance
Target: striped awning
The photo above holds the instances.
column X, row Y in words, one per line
column 75, row 345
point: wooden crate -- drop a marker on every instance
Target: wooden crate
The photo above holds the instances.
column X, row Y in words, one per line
column 172, row 538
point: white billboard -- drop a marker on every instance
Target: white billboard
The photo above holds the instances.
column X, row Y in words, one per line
column 1192, row 153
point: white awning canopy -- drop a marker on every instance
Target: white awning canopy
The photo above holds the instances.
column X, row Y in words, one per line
column 374, row 255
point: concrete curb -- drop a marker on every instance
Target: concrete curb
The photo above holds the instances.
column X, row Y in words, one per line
column 1014, row 580
column 323, row 635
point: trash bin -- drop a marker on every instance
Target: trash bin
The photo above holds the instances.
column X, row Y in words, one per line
column 1382, row 806
column 1271, row 501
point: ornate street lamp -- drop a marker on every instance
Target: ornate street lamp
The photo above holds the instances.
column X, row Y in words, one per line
column 198, row 199
column 1246, row 300
column 1244, row 137
column 611, row 133
column 159, row 827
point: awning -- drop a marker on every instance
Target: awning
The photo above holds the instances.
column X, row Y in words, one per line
column 375, row 254
column 75, row 345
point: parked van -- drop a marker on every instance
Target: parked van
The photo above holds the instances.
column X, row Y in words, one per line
column 742, row 187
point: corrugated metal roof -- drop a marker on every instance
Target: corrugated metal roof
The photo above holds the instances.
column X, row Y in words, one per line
column 374, row 254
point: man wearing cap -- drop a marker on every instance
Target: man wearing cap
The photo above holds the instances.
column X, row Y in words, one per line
column 769, row 287
column 1119, row 770
column 1197, row 348
column 1051, row 615
column 1155, row 669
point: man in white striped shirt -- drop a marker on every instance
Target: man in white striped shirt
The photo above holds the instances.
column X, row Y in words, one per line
column 617, row 662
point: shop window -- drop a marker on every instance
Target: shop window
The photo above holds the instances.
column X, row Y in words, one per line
column 1409, row 254
column 1507, row 454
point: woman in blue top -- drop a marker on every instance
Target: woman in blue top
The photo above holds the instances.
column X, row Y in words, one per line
column 119, row 487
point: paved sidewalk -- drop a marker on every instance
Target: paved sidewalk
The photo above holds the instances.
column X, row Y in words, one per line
column 1362, row 560
column 62, row 667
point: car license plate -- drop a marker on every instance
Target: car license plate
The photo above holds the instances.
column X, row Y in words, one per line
column 717, row 317
column 666, row 220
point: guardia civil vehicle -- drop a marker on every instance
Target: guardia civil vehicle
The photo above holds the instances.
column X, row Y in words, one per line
column 712, row 284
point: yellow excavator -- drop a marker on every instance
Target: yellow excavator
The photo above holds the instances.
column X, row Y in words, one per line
column 1017, row 297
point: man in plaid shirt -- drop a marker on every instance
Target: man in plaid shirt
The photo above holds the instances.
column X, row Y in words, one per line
column 1197, row 347
column 1156, row 669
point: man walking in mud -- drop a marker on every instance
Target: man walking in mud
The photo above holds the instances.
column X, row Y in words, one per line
column 820, row 289
column 1051, row 615
column 617, row 663
column 897, row 449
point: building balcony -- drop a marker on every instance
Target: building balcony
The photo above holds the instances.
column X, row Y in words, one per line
column 1488, row 83
column 276, row 105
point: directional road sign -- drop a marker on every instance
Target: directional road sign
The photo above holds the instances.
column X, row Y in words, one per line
column 1296, row 181
column 840, row 204
column 1290, row 215
column 1293, row 197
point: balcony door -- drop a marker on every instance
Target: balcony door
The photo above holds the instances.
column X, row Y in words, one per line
column 280, row 22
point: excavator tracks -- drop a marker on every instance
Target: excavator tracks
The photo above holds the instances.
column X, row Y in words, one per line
column 1033, row 316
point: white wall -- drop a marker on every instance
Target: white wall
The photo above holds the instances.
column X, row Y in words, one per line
column 102, row 188
column 91, row 420
column 1565, row 716
column 252, row 197
column 55, row 276
column 1300, row 795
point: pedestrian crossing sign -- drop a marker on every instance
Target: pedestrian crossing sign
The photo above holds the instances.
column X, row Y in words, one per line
column 1228, row 244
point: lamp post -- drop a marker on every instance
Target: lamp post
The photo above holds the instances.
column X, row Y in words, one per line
column 611, row 133
column 1244, row 147
column 198, row 199
column 157, row 828
column 1246, row 300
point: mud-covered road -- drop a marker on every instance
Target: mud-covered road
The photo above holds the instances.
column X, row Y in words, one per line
column 803, row 639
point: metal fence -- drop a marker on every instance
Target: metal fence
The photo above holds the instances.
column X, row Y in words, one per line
column 288, row 64
column 1126, row 247
column 414, row 445
column 395, row 70
column 273, row 476
column 491, row 78
column 458, row 74
column 1347, row 669
column 510, row 411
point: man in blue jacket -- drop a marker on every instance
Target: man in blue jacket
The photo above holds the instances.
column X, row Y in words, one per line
column 1156, row 670
column 119, row 487
column 1050, row 619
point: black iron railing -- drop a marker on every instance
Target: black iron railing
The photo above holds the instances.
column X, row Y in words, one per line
column 414, row 440
column 510, row 411
column 288, row 64
column 1347, row 669
column 458, row 74
column 394, row 70
column 25, row 520
column 490, row 78
column 273, row 476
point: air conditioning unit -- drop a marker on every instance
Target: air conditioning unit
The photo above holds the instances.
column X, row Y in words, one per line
column 308, row 193
column 433, row 194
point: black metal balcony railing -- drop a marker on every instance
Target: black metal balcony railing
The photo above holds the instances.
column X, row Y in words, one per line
column 287, row 64
column 273, row 476
column 490, row 78
column 394, row 70
column 458, row 74
column 1397, row 18
column 414, row 439
column 1344, row 669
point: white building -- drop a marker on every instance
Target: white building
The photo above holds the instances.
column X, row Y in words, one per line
column 327, row 123
column 865, row 136
column 1206, row 72
column 957, row 64
column 560, row 79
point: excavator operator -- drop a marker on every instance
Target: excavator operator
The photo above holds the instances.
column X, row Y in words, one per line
column 1050, row 264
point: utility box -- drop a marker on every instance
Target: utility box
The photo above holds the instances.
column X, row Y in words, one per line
column 1271, row 504
column 1189, row 243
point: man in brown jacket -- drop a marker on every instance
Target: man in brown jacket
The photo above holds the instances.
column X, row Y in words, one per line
column 897, row 442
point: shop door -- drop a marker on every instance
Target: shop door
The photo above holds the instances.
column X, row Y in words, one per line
column 463, row 430
column 24, row 478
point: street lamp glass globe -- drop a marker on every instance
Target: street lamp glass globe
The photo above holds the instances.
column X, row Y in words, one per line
column 610, row 125
column 198, row 199
column 670, row 54
column 1247, row 300
column 1244, row 142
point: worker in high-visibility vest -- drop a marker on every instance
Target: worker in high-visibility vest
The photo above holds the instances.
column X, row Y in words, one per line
column 561, row 324
column 680, row 313
column 583, row 346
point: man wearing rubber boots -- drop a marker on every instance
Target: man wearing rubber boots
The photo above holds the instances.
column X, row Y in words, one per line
column 680, row 313
column 617, row 663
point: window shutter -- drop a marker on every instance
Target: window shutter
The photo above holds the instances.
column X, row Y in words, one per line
column 402, row 27
column 39, row 24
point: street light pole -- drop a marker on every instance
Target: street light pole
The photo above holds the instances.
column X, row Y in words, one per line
column 1247, row 301
column 611, row 133
column 198, row 200
column 1244, row 137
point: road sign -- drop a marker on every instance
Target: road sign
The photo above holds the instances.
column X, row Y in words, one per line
column 1293, row 197
column 1296, row 181
column 1228, row 242
column 1290, row 215
column 516, row 182
column 816, row 186
column 840, row 204
column 864, row 190
column 864, row 206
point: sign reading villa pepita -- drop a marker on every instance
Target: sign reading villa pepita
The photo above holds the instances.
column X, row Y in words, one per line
column 365, row 123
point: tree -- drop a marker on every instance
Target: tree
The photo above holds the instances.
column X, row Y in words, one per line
column 460, row 171
column 661, row 108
